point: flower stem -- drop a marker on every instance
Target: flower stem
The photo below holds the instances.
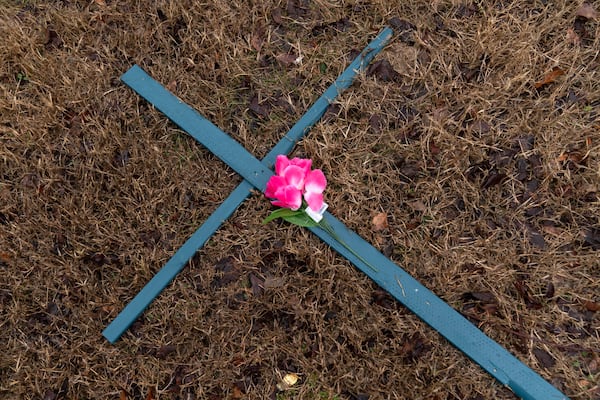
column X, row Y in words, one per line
column 323, row 224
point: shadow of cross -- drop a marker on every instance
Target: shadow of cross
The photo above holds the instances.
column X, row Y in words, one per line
column 492, row 357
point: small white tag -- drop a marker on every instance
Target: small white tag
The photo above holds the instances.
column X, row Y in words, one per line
column 316, row 216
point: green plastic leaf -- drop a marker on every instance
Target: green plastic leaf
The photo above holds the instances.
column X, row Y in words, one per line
column 298, row 217
column 301, row 220
column 282, row 213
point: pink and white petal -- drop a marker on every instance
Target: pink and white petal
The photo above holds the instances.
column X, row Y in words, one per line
column 280, row 192
column 288, row 197
column 294, row 176
column 274, row 184
column 314, row 200
column 292, row 198
column 315, row 181
column 304, row 163
column 281, row 163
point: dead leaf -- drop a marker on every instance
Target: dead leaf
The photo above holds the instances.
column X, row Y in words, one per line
column 107, row 309
column 297, row 9
column 594, row 365
column 333, row 110
column 258, row 38
column 407, row 114
column 150, row 395
column 260, row 109
column 237, row 393
column 591, row 237
column 409, row 170
column 544, row 358
column 376, row 122
column 101, row 259
column 468, row 72
column 414, row 346
column 4, row 258
column 256, row 284
column 493, row 178
column 572, row 158
column 584, row 383
column 522, row 169
column 286, row 59
column 591, row 305
column 340, row 25
column 271, row 282
column 549, row 290
column 550, row 77
column 525, row 293
column 467, row 10
column 480, row 127
column 439, row 115
column 150, row 238
column 383, row 71
column 53, row 40
column 165, row 350
column 276, row 16
column 573, row 37
column 580, row 29
column 30, row 181
column 490, row 308
column 405, row 30
column 122, row 395
column 486, row 297
column 171, row 86
column 100, row 2
column 485, row 304
column 417, row 205
column 383, row 299
column 413, row 224
column 380, row 222
column 229, row 272
column 423, row 57
column 587, row 10
column 388, row 249
column 433, row 148
column 536, row 238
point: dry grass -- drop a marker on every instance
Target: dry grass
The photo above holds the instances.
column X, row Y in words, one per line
column 490, row 187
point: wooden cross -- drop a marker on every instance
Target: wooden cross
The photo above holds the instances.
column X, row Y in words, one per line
column 492, row 357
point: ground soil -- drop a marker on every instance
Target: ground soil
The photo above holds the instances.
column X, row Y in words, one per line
column 468, row 153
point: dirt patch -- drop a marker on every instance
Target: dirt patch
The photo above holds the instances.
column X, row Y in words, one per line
column 475, row 133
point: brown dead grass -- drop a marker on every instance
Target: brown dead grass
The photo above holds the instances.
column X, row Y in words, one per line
column 97, row 190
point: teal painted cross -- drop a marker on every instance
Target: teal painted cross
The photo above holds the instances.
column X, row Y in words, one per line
column 492, row 357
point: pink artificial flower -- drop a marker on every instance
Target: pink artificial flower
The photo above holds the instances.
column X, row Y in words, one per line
column 294, row 180
column 288, row 197
column 274, row 183
column 294, row 176
column 282, row 162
